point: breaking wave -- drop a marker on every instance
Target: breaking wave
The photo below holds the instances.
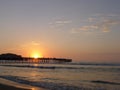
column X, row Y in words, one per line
column 105, row 82
column 47, row 85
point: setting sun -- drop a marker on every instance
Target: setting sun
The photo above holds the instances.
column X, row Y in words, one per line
column 36, row 55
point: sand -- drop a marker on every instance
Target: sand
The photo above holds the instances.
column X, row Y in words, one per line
column 8, row 87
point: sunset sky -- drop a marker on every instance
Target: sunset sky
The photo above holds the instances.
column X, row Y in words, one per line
column 83, row 30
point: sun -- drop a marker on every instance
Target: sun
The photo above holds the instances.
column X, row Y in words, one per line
column 36, row 55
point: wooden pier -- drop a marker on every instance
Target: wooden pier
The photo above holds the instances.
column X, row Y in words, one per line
column 13, row 58
column 34, row 60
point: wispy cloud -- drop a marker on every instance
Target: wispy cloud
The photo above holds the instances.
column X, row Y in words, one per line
column 84, row 28
column 107, row 24
column 35, row 43
column 91, row 19
column 103, row 24
column 30, row 44
column 63, row 22
column 87, row 28
column 59, row 23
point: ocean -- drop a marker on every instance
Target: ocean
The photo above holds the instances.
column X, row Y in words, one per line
column 73, row 76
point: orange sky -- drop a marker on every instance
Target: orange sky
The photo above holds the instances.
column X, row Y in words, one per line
column 83, row 30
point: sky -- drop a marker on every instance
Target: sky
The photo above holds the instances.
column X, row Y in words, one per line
column 83, row 30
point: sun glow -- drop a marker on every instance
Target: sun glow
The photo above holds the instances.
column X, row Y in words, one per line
column 36, row 55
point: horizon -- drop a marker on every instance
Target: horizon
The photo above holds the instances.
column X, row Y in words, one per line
column 73, row 61
column 82, row 30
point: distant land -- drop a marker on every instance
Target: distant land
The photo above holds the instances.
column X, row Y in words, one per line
column 10, row 56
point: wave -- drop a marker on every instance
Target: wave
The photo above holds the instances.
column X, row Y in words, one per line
column 105, row 82
column 111, row 69
column 46, row 85
column 96, row 64
column 42, row 67
column 56, row 86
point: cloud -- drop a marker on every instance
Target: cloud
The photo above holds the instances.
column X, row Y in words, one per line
column 63, row 22
column 107, row 24
column 35, row 43
column 103, row 24
column 86, row 28
column 59, row 23
column 30, row 44
column 91, row 19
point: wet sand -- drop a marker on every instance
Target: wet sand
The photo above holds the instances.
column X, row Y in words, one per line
column 8, row 87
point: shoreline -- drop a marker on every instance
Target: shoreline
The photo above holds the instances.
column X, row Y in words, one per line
column 9, row 87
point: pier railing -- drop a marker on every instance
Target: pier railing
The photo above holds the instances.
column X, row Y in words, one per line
column 34, row 60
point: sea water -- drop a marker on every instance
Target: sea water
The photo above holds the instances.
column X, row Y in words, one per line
column 64, row 76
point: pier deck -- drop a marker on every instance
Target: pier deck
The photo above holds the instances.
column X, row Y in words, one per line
column 34, row 60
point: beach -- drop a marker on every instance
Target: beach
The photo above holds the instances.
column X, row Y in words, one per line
column 59, row 44
column 59, row 77
column 8, row 87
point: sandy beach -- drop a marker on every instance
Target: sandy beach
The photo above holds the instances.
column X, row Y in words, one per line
column 9, row 87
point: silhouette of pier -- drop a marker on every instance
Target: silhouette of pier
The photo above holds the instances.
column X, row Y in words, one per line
column 13, row 58
column 34, row 60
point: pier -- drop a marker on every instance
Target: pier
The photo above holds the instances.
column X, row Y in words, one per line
column 13, row 58
column 34, row 60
